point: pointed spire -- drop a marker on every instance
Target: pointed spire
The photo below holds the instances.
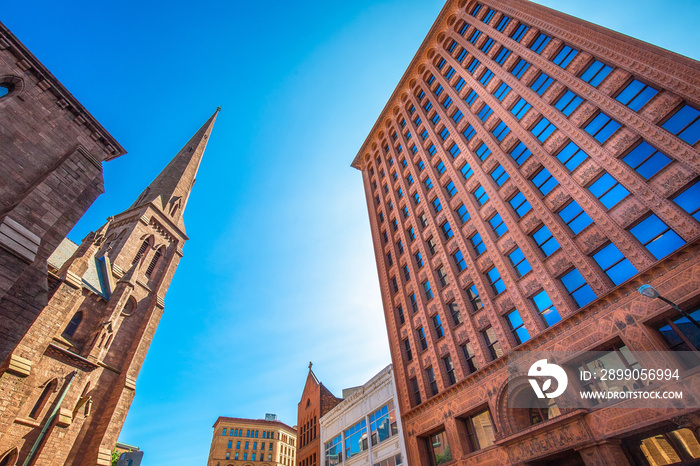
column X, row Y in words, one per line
column 170, row 190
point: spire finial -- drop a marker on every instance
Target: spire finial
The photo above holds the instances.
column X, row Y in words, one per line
column 310, row 364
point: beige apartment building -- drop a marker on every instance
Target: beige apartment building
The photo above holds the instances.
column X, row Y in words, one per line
column 264, row 442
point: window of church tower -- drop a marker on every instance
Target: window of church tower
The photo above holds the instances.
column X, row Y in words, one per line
column 49, row 388
column 73, row 324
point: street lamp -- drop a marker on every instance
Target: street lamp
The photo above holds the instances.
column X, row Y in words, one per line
column 651, row 292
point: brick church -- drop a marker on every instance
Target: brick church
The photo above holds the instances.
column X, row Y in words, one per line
column 76, row 320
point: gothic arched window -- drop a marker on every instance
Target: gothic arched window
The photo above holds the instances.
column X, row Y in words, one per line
column 154, row 262
column 49, row 388
column 142, row 250
column 73, row 324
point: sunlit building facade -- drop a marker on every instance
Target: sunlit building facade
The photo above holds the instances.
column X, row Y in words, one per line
column 238, row 441
column 531, row 171
column 365, row 428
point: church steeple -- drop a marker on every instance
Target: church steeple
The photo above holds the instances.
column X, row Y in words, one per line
column 170, row 190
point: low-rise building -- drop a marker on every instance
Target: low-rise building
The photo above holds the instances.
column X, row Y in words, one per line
column 238, row 441
column 365, row 428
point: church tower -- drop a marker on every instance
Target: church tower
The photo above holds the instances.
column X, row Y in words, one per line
column 74, row 373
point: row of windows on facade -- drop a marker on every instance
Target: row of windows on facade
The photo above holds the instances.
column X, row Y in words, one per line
column 251, row 445
column 308, row 432
column 250, row 433
column 680, row 334
column 245, row 456
column 308, row 461
column 642, row 157
column 353, row 440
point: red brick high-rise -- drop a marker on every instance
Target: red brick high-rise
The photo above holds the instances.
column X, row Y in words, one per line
column 67, row 403
column 530, row 171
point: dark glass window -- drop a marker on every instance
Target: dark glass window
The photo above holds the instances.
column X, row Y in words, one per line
column 565, row 55
column 543, row 129
column 540, row 42
column 502, row 91
column 520, row 153
column 519, row 32
column 463, row 213
column 447, row 230
column 646, row 160
column 474, row 298
column 568, row 102
column 485, row 112
column 542, row 83
column 502, row 23
column 470, row 357
column 407, row 349
column 499, row 227
column 486, row 77
column 469, row 132
column 437, row 325
column 471, row 97
column 685, row 124
column 544, row 181
column 459, row 84
column 451, row 189
column 478, row 244
column 689, row 200
column 502, row 56
column 454, row 149
column 571, row 156
column 520, row 108
column 436, row 205
column 492, row 344
column 460, row 263
column 449, row 370
column 466, row 171
column 500, row 131
column 595, row 73
column 421, row 339
column 499, row 175
column 520, row 68
column 480, row 195
column 496, row 281
column 483, row 151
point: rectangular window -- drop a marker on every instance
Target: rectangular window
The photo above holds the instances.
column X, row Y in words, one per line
column 428, row 290
column 444, row 133
column 436, row 205
column 473, row 65
column 466, row 171
column 543, row 129
column 471, row 97
column 420, row 165
column 442, row 276
column 469, row 132
column 355, row 439
column 646, row 160
column 450, row 70
column 520, row 68
column 414, row 302
column 421, row 338
column 399, row 312
column 542, row 83
column 407, row 349
column 577, row 287
column 464, row 29
column 614, row 264
column 500, row 131
column 608, row 190
column 520, row 153
column 474, row 298
column 428, row 105
column 574, row 216
column 689, row 200
column 394, row 285
column 502, row 56
column 478, row 244
column 469, row 357
column 424, row 134
column 483, row 151
column 502, row 91
column 520, row 108
column 489, row 15
column 457, row 117
column 496, row 281
column 437, row 325
column 540, row 43
column 519, row 263
column 636, row 94
column 499, row 228
column 432, row 245
column 544, row 181
column 499, row 175
column 486, row 77
column 406, row 273
column 492, row 344
column 475, row 36
column 519, row 32
column 568, row 102
column 430, row 375
column 502, row 23
column 435, row 119
column 416, row 198
column 480, row 195
column 546, row 309
column 419, row 259
column 399, row 245
column 618, row 358
column 485, row 112
column 450, row 189
column 517, row 327
column 382, row 423
column 449, row 370
column 565, row 55
column 595, row 73
column 463, row 213
column 460, row 263
column 423, row 220
column 414, row 149
column 520, row 204
column 571, row 156
column 656, row 236
column 685, row 124
column 428, row 184
column 545, row 241
column 416, row 392
column 681, row 334
column 447, row 230
column 459, row 84
column 454, row 150
column 602, row 127
column 487, row 45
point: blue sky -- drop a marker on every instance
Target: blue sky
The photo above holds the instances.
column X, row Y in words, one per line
column 280, row 268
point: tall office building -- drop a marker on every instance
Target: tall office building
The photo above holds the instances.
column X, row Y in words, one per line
column 530, row 171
